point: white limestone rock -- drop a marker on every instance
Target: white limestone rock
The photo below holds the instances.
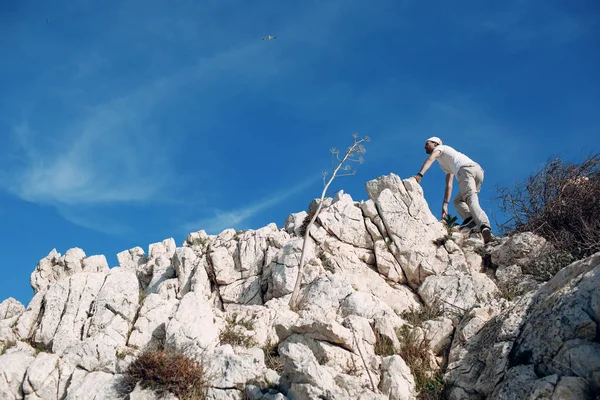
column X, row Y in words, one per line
column 115, row 307
column 95, row 385
column 344, row 220
column 92, row 354
column 95, row 264
column 146, row 394
column 8, row 338
column 226, row 369
column 133, row 260
column 456, row 293
column 13, row 367
column 548, row 332
column 301, row 367
column 199, row 240
column 159, row 267
column 521, row 249
column 368, row 306
column 409, row 223
column 397, row 381
column 253, row 246
column 439, row 334
column 224, row 258
column 55, row 267
column 350, row 263
column 262, row 320
column 47, row 377
column 244, row 291
column 321, row 298
column 10, row 308
column 193, row 325
column 293, row 222
column 187, row 264
column 75, row 310
column 150, row 326
column 284, row 270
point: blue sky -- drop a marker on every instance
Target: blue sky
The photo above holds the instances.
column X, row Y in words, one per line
column 123, row 123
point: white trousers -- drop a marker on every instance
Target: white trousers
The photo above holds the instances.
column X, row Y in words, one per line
column 466, row 202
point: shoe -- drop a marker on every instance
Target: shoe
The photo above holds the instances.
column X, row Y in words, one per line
column 468, row 223
column 486, row 232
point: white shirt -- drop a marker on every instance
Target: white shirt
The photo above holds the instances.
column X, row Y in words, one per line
column 451, row 160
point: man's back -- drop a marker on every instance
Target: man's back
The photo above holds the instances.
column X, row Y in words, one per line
column 451, row 160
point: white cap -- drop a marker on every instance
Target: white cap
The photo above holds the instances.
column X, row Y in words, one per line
column 435, row 139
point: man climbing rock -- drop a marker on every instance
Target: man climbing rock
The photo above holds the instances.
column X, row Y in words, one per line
column 469, row 175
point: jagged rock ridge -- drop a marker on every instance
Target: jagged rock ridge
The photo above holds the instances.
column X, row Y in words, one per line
column 370, row 263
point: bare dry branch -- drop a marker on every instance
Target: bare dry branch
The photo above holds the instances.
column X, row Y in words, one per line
column 559, row 202
column 357, row 146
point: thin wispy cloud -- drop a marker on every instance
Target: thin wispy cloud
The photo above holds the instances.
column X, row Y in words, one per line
column 96, row 221
column 114, row 153
column 236, row 218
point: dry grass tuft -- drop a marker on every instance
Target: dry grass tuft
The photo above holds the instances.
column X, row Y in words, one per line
column 272, row 359
column 234, row 333
column 414, row 351
column 384, row 346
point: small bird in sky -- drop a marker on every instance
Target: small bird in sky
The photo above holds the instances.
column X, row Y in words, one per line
column 270, row 37
column 47, row 20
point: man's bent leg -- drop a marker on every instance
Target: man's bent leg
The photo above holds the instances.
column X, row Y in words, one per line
column 461, row 206
column 469, row 181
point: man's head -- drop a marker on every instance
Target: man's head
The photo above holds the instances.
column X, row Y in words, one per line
column 432, row 143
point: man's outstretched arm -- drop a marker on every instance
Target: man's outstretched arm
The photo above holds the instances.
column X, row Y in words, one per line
column 430, row 160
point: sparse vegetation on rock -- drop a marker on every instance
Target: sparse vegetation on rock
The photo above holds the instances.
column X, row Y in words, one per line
column 165, row 371
column 560, row 203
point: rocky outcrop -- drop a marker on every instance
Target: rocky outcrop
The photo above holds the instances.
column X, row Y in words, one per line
column 374, row 269
column 545, row 345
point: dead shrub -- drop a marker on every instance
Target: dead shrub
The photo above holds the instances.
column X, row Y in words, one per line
column 558, row 202
column 165, row 371
column 272, row 358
